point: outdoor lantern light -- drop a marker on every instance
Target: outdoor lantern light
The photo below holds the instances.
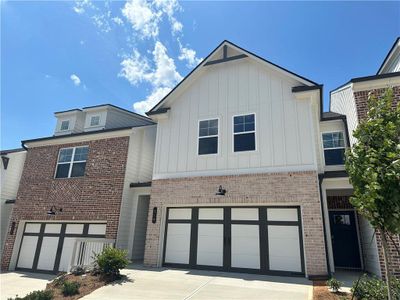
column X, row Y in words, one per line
column 53, row 210
column 221, row 191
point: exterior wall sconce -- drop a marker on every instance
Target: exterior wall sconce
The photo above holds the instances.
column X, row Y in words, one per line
column 221, row 191
column 53, row 210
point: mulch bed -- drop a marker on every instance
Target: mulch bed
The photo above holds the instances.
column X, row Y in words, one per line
column 88, row 283
column 321, row 292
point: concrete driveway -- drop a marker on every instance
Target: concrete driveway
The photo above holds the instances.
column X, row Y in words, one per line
column 22, row 283
column 147, row 283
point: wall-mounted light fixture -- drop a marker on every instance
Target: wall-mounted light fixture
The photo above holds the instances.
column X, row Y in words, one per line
column 53, row 210
column 221, row 191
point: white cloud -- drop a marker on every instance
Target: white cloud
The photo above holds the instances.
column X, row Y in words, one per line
column 156, row 95
column 165, row 73
column 143, row 18
column 176, row 26
column 75, row 79
column 135, row 68
column 81, row 5
column 189, row 55
column 118, row 20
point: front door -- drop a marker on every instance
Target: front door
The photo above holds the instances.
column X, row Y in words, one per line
column 345, row 246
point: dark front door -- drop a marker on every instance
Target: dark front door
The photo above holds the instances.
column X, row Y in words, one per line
column 344, row 239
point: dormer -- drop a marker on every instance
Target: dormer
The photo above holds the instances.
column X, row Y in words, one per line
column 70, row 121
column 108, row 116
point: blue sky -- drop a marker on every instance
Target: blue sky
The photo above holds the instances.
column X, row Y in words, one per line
column 61, row 55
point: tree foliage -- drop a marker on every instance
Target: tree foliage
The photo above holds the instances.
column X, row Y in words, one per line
column 373, row 164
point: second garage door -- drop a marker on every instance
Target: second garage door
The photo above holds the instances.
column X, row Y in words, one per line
column 245, row 239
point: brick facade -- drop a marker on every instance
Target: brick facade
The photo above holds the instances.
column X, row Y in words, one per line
column 95, row 196
column 297, row 188
column 361, row 100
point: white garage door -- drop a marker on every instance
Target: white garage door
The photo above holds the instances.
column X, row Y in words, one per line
column 48, row 247
column 251, row 239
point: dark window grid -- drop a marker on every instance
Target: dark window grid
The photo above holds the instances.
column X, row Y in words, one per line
column 76, row 162
column 244, row 124
column 208, row 128
column 64, row 125
column 94, row 120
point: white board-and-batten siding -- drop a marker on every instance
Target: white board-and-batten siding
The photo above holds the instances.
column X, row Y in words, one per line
column 284, row 129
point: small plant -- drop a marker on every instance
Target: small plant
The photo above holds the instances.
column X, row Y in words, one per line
column 334, row 284
column 373, row 288
column 70, row 288
column 78, row 270
column 59, row 280
column 36, row 295
column 111, row 260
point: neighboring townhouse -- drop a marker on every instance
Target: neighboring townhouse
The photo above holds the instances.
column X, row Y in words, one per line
column 238, row 155
column 12, row 163
column 89, row 180
column 350, row 99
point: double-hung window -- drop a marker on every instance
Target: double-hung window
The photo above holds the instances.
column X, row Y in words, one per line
column 244, row 133
column 64, row 125
column 334, row 148
column 95, row 121
column 71, row 162
column 208, row 137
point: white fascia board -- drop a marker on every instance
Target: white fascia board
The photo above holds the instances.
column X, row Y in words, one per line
column 80, row 138
column 376, row 84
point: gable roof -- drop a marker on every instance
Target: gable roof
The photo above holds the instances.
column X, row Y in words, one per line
column 207, row 61
column 396, row 45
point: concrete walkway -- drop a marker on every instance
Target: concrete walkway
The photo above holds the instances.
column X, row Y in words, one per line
column 22, row 283
column 147, row 283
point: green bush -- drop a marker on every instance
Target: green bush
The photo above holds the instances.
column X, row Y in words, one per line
column 36, row 295
column 334, row 284
column 111, row 260
column 70, row 288
column 372, row 288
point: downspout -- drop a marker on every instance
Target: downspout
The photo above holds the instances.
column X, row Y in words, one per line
column 328, row 266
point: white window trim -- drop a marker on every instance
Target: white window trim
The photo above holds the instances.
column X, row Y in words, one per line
column 208, row 136
column 336, row 131
column 70, row 162
column 90, row 121
column 69, row 124
column 323, row 148
column 238, row 133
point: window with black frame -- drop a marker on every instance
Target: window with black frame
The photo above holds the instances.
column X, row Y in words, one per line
column 72, row 162
column 208, row 137
column 244, row 133
column 334, row 148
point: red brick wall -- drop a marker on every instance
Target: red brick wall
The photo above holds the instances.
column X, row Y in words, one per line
column 361, row 100
column 297, row 188
column 95, row 196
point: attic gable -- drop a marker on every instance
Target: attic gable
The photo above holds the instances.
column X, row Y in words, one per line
column 224, row 53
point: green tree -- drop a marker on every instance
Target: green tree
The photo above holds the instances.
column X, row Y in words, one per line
column 373, row 165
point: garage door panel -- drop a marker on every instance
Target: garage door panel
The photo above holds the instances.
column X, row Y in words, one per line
column 66, row 254
column 210, row 244
column 48, row 253
column 178, row 244
column 284, row 248
column 245, row 246
column 27, row 252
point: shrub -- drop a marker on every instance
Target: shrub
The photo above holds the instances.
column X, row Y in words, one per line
column 373, row 288
column 334, row 284
column 36, row 295
column 70, row 288
column 78, row 270
column 59, row 280
column 111, row 260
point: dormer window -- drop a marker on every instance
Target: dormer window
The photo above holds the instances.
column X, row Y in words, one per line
column 95, row 121
column 64, row 125
column 334, row 148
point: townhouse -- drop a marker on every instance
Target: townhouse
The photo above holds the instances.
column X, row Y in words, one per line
column 239, row 169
